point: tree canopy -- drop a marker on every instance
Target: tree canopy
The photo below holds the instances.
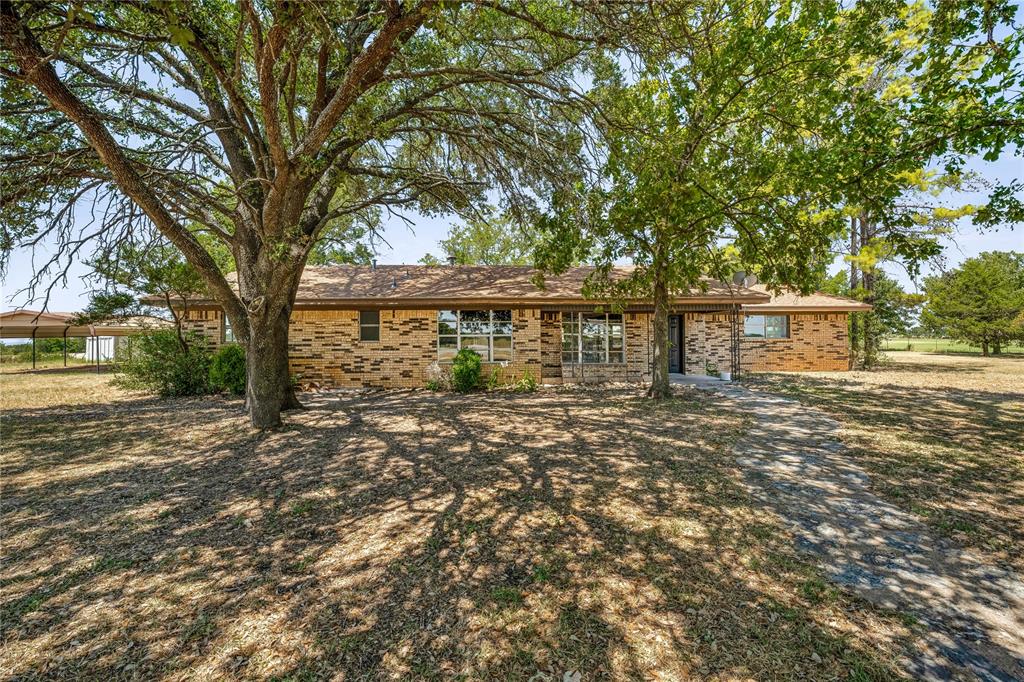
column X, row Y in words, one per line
column 980, row 302
column 756, row 130
column 262, row 124
column 487, row 240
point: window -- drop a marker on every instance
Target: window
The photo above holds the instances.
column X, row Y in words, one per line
column 488, row 332
column 226, row 332
column 369, row 325
column 766, row 326
column 593, row 338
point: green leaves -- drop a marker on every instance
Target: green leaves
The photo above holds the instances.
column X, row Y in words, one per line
column 981, row 302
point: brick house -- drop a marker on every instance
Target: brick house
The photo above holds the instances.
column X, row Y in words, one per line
column 384, row 326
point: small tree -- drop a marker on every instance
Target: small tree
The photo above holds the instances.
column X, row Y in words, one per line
column 160, row 363
column 760, row 128
column 132, row 272
column 981, row 302
column 485, row 240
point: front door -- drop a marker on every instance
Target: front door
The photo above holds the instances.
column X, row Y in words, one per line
column 675, row 344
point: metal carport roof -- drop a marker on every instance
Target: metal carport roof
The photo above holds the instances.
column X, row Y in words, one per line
column 29, row 324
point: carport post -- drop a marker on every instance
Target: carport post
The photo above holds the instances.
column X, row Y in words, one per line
column 96, row 347
column 34, row 330
column 65, row 346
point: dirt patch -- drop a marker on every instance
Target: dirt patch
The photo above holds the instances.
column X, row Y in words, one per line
column 405, row 534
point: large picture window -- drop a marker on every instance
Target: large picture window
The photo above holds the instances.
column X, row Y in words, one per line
column 593, row 338
column 766, row 326
column 488, row 332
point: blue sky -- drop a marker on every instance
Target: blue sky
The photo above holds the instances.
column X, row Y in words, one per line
column 408, row 245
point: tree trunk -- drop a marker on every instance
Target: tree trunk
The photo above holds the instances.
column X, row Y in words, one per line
column 855, row 318
column 984, row 348
column 268, row 288
column 870, row 332
column 997, row 347
column 660, row 386
column 268, row 387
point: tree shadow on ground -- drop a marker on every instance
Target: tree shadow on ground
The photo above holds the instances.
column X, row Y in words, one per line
column 413, row 535
column 950, row 455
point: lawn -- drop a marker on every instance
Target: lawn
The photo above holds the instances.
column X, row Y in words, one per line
column 941, row 435
column 404, row 534
column 932, row 345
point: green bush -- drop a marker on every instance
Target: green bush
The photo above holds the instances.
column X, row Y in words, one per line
column 466, row 370
column 159, row 364
column 526, row 384
column 227, row 369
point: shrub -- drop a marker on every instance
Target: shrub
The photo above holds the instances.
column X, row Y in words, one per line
column 160, row 364
column 526, row 384
column 466, row 370
column 227, row 369
column 493, row 380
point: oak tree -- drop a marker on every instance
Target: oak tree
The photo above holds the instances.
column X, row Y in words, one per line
column 261, row 123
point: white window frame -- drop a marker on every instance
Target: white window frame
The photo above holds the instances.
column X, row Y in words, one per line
column 764, row 326
column 459, row 333
column 227, row 334
column 577, row 354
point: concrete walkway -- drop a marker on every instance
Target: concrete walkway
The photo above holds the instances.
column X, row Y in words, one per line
column 972, row 612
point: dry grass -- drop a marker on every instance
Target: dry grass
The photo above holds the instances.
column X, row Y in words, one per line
column 56, row 388
column 942, row 435
column 406, row 535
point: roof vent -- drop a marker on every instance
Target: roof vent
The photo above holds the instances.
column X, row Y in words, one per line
column 451, row 260
column 373, row 264
column 394, row 282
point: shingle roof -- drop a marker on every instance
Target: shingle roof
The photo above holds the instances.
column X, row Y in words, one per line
column 425, row 285
column 787, row 299
column 457, row 282
column 444, row 285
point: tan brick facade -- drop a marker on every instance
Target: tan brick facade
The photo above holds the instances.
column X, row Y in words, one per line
column 325, row 347
column 818, row 342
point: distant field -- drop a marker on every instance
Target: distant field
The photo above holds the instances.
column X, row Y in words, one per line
column 926, row 345
column 43, row 361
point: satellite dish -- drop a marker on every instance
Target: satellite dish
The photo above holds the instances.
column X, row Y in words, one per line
column 738, row 277
column 749, row 281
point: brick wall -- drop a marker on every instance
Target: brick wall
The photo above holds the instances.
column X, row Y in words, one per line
column 817, row 342
column 551, row 346
column 324, row 346
column 708, row 340
column 207, row 323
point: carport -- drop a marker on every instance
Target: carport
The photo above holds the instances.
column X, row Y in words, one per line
column 34, row 324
